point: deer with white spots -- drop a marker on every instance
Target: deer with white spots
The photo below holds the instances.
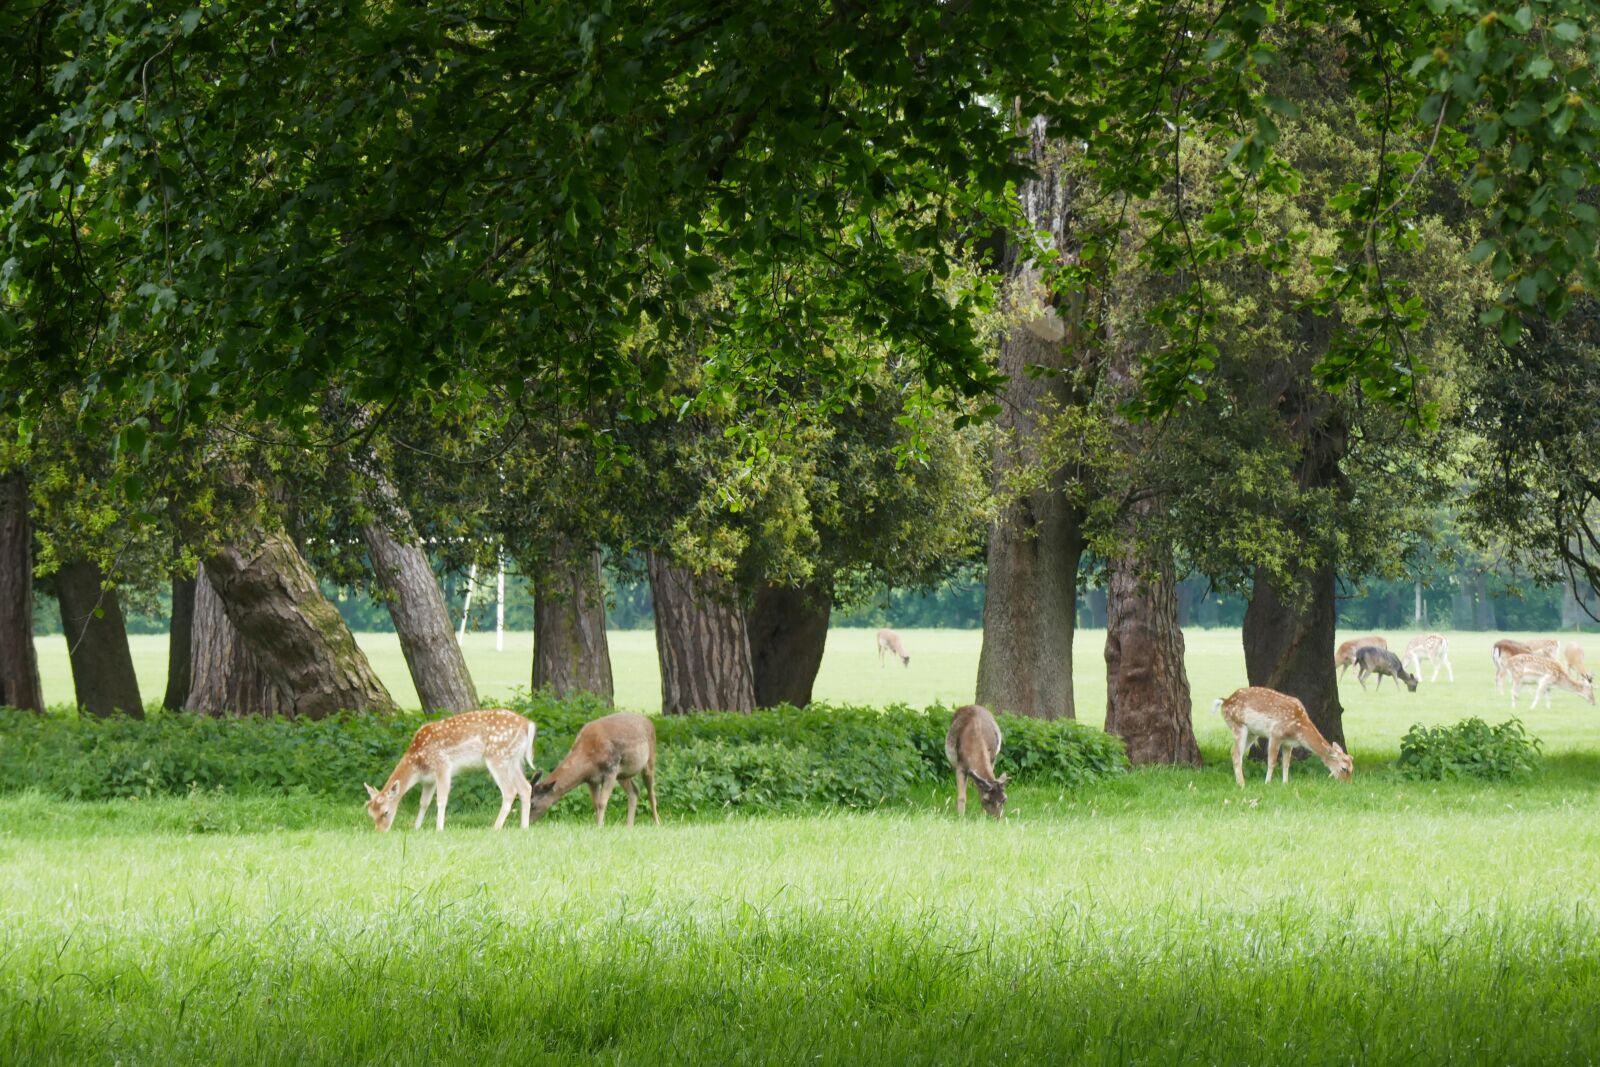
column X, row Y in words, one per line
column 1282, row 720
column 500, row 741
column 889, row 641
column 1436, row 648
column 1572, row 653
column 607, row 750
column 1547, row 674
column 1505, row 648
column 1346, row 653
column 971, row 746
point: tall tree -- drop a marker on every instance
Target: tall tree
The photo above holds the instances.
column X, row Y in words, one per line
column 19, row 664
column 570, row 653
column 1036, row 541
column 97, row 641
column 180, row 662
column 701, row 639
column 227, row 679
column 788, row 628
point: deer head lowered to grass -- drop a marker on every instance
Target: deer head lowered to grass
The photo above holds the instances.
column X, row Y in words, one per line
column 1282, row 720
column 971, row 746
column 607, row 750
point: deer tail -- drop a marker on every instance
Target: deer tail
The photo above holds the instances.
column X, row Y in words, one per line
column 1216, row 706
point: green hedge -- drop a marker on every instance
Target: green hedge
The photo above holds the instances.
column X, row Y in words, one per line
column 1470, row 748
column 844, row 756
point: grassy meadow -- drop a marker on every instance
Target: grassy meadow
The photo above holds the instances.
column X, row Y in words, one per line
column 1163, row 917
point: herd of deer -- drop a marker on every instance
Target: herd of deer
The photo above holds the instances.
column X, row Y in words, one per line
column 619, row 747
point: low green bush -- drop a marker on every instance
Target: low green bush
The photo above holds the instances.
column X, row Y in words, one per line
column 1469, row 749
column 844, row 756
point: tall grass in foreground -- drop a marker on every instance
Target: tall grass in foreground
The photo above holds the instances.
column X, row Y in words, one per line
column 1165, row 918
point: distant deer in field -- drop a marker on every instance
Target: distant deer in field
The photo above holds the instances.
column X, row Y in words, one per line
column 1505, row 648
column 971, row 746
column 889, row 641
column 1531, row 666
column 1282, row 720
column 1572, row 653
column 1382, row 662
column 498, row 740
column 1436, row 648
column 1346, row 653
column 609, row 749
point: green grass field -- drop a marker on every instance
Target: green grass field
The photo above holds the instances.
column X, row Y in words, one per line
column 1165, row 917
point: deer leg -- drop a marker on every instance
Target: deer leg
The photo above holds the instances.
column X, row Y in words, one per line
column 961, row 792
column 1272, row 756
column 441, row 798
column 633, row 797
column 602, row 796
column 1450, row 672
column 650, row 785
column 1361, row 676
column 1285, row 754
column 427, row 798
column 507, row 795
column 1240, row 740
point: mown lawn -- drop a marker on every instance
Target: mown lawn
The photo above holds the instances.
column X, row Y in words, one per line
column 1164, row 917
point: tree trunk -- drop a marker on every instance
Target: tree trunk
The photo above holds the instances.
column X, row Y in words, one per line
column 702, row 642
column 570, row 650
column 1291, row 650
column 416, row 604
column 788, row 628
column 97, row 642
column 294, row 633
column 19, row 663
column 1147, row 688
column 180, row 670
column 1483, row 614
column 1030, row 610
column 225, row 677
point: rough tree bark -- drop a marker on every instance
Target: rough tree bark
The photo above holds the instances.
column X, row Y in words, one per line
column 97, row 642
column 180, row 671
column 1147, row 687
column 788, row 628
column 1030, row 609
column 19, row 663
column 226, row 678
column 701, row 640
column 294, row 633
column 570, row 651
column 1290, row 648
column 421, row 620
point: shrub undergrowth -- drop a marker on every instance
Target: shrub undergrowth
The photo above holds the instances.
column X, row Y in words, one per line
column 1470, row 748
column 841, row 756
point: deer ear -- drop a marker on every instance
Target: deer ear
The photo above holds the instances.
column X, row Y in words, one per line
column 537, row 775
column 371, row 792
column 1003, row 779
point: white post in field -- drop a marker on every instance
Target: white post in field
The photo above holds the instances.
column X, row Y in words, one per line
column 500, row 603
column 1417, row 616
column 466, row 604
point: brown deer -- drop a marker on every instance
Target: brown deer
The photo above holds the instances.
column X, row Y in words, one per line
column 1282, row 720
column 971, row 747
column 1436, row 648
column 1382, row 662
column 1531, row 666
column 498, row 740
column 1572, row 653
column 889, row 641
column 1506, row 647
column 1346, row 653
column 609, row 749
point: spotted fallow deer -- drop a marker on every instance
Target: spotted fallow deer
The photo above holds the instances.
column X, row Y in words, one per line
column 1282, row 720
column 1436, row 648
column 607, row 750
column 1548, row 674
column 1346, row 653
column 889, row 641
column 498, row 740
column 971, row 746
column 1506, row 647
column 1572, row 654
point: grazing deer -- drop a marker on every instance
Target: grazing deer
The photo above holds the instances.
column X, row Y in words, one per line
column 1505, row 648
column 1548, row 673
column 889, row 641
column 1346, row 653
column 971, row 747
column 1382, row 662
column 1436, row 648
column 498, row 740
column 609, row 749
column 1572, row 653
column 1283, row 721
